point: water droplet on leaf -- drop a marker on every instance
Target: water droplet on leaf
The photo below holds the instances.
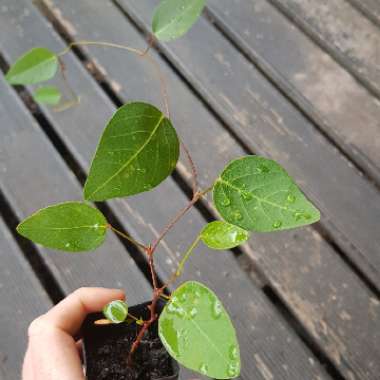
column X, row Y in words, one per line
column 232, row 369
column 277, row 224
column 226, row 202
column 262, row 169
column 233, row 352
column 291, row 198
column 203, row 368
column 216, row 309
column 237, row 216
column 247, row 196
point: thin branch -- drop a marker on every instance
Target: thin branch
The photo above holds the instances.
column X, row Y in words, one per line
column 194, row 174
column 125, row 236
column 75, row 98
column 170, row 225
column 181, row 265
column 141, row 53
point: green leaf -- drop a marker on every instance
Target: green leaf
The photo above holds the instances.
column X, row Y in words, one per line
column 70, row 226
column 197, row 331
column 116, row 311
column 173, row 18
column 257, row 194
column 222, row 235
column 36, row 65
column 138, row 150
column 47, row 95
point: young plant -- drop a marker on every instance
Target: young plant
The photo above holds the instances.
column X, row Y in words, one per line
column 139, row 148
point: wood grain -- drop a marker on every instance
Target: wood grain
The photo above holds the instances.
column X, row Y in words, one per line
column 315, row 292
column 344, row 32
column 325, row 91
column 269, row 125
column 260, row 328
column 22, row 300
column 33, row 176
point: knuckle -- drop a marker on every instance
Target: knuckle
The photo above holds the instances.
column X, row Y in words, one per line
column 80, row 291
column 37, row 327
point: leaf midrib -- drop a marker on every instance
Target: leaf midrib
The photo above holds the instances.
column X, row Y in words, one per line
column 22, row 73
column 259, row 199
column 192, row 5
column 63, row 228
column 133, row 157
column 207, row 337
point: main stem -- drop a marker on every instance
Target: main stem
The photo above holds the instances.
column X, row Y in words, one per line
column 149, row 250
column 158, row 291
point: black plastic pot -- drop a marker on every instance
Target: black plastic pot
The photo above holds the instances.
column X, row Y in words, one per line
column 106, row 349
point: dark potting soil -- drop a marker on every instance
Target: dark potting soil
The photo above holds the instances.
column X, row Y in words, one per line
column 106, row 349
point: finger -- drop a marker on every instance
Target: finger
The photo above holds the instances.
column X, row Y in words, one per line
column 69, row 314
column 27, row 367
column 53, row 350
column 79, row 346
column 54, row 356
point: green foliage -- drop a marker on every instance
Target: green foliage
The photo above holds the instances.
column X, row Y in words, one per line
column 47, row 95
column 70, row 226
column 139, row 148
column 116, row 311
column 36, row 65
column 257, row 194
column 197, row 331
column 173, row 18
column 222, row 235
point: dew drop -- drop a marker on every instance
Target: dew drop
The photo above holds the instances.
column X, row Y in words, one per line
column 262, row 169
column 237, row 216
column 203, row 368
column 193, row 312
column 233, row 352
column 247, row 196
column 307, row 216
column 226, row 202
column 67, row 245
column 232, row 369
column 297, row 215
column 277, row 224
column 216, row 309
column 291, row 198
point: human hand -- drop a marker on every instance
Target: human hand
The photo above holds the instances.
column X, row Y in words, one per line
column 53, row 353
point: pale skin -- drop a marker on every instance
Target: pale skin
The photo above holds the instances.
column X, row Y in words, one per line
column 53, row 353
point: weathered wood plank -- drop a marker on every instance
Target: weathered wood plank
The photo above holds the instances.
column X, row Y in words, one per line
column 262, row 332
column 370, row 8
column 315, row 81
column 269, row 125
column 344, row 32
column 32, row 176
column 302, row 291
column 22, row 299
column 305, row 292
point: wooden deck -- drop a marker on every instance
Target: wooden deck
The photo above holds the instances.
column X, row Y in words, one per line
column 295, row 80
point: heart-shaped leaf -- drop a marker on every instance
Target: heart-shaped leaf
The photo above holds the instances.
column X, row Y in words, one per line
column 36, row 65
column 173, row 18
column 70, row 226
column 139, row 148
column 47, row 95
column 222, row 235
column 116, row 311
column 257, row 194
column 197, row 331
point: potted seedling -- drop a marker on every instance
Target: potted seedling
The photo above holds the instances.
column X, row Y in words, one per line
column 139, row 149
